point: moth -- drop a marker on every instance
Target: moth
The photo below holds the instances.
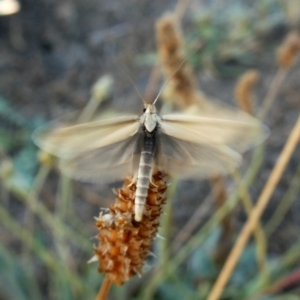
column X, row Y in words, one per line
column 186, row 146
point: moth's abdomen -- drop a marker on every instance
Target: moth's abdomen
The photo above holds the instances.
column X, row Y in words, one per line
column 144, row 176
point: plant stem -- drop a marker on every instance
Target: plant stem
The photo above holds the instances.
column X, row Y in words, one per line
column 105, row 287
column 256, row 213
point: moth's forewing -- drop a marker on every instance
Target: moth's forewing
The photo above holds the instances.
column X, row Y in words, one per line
column 106, row 164
column 223, row 126
column 197, row 160
column 67, row 142
column 208, row 143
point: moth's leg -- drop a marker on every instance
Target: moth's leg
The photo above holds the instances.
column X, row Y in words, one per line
column 152, row 177
column 133, row 181
column 134, row 170
column 153, row 183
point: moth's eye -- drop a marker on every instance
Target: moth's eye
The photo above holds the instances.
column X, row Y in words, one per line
column 144, row 109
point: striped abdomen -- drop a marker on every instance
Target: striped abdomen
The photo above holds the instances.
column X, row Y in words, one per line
column 144, row 175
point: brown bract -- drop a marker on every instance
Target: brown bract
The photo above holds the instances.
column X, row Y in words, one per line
column 124, row 243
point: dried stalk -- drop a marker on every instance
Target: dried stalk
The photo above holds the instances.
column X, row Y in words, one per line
column 256, row 213
column 286, row 56
column 104, row 290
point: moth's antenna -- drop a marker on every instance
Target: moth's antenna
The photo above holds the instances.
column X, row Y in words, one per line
column 166, row 83
column 134, row 85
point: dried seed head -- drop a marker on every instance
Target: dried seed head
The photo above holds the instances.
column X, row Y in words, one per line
column 6, row 169
column 182, row 88
column 46, row 159
column 124, row 243
column 102, row 88
column 244, row 90
column 288, row 51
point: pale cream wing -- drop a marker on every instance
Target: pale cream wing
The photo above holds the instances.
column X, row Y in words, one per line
column 106, row 164
column 238, row 134
column 199, row 160
column 67, row 142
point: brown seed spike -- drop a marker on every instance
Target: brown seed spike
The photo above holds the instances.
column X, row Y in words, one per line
column 244, row 90
column 182, row 88
column 289, row 50
column 124, row 243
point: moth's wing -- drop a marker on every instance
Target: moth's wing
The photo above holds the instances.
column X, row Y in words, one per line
column 67, row 142
column 106, row 164
column 239, row 134
column 185, row 159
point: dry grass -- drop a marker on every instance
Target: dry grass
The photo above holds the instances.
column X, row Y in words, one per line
column 257, row 211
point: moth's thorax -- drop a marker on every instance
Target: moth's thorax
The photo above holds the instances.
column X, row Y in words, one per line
column 150, row 119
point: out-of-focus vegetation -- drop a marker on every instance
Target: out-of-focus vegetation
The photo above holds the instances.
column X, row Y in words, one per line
column 229, row 40
column 46, row 237
column 234, row 35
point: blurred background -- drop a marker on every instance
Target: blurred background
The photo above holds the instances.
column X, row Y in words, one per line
column 57, row 55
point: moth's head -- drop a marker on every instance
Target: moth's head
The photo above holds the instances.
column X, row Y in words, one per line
column 149, row 118
column 149, row 109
